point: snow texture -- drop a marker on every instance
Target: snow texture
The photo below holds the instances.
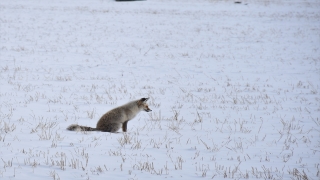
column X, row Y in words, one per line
column 234, row 89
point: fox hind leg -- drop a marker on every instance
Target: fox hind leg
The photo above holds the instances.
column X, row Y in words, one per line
column 113, row 127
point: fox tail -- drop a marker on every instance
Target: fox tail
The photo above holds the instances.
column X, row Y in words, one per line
column 76, row 127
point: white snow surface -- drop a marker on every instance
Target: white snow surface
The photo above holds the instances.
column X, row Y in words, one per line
column 234, row 89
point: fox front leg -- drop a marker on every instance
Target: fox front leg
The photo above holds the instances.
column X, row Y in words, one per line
column 124, row 126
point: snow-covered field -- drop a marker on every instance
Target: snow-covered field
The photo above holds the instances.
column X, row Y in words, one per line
column 234, row 89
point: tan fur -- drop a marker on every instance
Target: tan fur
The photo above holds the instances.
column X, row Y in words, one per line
column 116, row 118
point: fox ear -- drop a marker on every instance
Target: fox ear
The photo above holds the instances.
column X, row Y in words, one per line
column 144, row 99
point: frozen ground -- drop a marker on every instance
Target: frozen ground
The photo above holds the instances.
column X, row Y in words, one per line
column 234, row 89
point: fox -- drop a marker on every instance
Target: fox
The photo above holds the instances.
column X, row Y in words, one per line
column 116, row 118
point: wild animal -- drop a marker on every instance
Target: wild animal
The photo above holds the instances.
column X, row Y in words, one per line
column 116, row 118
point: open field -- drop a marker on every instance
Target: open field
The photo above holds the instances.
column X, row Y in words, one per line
column 234, row 89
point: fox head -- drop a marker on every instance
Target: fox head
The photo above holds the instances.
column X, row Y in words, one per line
column 142, row 104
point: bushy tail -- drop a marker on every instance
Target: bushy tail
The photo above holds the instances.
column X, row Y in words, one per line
column 76, row 127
